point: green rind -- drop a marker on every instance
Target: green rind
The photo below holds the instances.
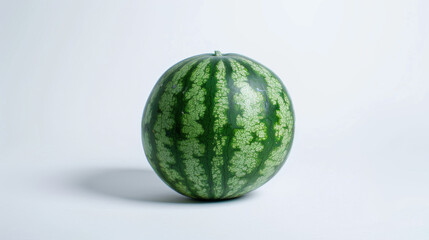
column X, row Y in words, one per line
column 192, row 149
column 220, row 111
column 285, row 125
column 250, row 131
column 169, row 175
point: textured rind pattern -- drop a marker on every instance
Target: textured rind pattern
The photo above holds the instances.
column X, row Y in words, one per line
column 219, row 150
column 284, row 127
column 220, row 115
column 192, row 149
column 148, row 111
column 164, row 122
column 250, row 132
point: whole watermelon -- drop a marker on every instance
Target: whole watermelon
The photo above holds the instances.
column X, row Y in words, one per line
column 217, row 126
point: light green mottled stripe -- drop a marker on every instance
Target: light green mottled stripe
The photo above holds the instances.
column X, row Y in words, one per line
column 164, row 123
column 191, row 147
column 247, row 139
column 149, row 105
column 220, row 115
column 156, row 89
column 283, row 128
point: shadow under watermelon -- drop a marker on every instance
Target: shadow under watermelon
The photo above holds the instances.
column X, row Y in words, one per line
column 141, row 185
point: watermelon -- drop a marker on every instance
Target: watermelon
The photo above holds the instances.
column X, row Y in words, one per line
column 217, row 126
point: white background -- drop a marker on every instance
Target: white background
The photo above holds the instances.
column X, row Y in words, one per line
column 75, row 75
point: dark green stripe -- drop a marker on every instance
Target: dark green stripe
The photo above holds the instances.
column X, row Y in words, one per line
column 207, row 122
column 191, row 148
column 259, row 84
column 283, row 98
column 153, row 99
column 177, row 135
column 155, row 108
column 232, row 113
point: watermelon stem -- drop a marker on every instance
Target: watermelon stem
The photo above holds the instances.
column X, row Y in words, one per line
column 218, row 53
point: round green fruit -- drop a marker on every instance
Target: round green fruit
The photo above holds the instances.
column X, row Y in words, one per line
column 217, row 126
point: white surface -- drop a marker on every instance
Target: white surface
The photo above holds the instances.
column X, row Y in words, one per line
column 74, row 78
